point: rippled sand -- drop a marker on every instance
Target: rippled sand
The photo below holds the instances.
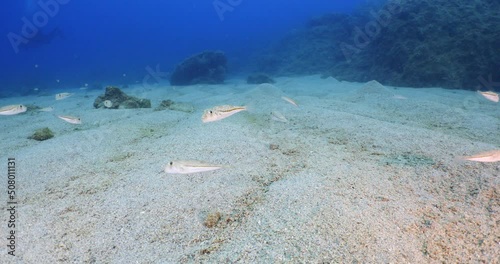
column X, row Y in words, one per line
column 359, row 173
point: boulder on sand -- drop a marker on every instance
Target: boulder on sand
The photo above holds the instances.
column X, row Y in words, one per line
column 208, row 67
column 114, row 98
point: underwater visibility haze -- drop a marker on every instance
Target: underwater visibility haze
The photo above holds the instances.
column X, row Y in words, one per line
column 99, row 41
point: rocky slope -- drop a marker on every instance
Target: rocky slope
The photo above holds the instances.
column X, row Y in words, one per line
column 452, row 44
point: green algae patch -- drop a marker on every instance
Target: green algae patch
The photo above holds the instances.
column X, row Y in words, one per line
column 42, row 134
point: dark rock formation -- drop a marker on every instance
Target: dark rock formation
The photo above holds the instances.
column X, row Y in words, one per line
column 208, row 67
column 259, row 78
column 311, row 50
column 114, row 98
column 452, row 44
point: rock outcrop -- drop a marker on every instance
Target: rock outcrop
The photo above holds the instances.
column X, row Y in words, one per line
column 208, row 67
column 114, row 98
column 451, row 44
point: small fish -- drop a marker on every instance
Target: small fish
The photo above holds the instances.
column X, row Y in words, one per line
column 13, row 109
column 277, row 116
column 399, row 97
column 46, row 109
column 492, row 96
column 220, row 112
column 290, row 100
column 71, row 119
column 189, row 166
column 61, row 96
column 488, row 156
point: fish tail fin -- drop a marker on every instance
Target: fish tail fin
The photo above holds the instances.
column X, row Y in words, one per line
column 226, row 167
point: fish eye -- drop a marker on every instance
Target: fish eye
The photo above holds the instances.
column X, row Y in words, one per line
column 211, row 112
column 171, row 163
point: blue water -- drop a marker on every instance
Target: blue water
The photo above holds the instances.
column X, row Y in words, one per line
column 98, row 41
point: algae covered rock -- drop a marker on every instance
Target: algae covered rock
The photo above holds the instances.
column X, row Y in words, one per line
column 175, row 106
column 42, row 134
column 208, row 67
column 114, row 98
column 135, row 103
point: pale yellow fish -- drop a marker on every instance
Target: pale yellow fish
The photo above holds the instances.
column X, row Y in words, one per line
column 71, row 119
column 488, row 156
column 46, row 109
column 492, row 96
column 189, row 166
column 220, row 112
column 290, row 100
column 13, row 109
column 61, row 96
column 399, row 97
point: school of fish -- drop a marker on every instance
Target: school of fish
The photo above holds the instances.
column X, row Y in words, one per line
column 221, row 112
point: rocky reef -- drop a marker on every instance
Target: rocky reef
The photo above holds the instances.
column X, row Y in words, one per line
column 114, row 98
column 451, row 44
column 208, row 67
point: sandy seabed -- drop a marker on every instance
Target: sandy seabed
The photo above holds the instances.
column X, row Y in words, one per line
column 360, row 173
